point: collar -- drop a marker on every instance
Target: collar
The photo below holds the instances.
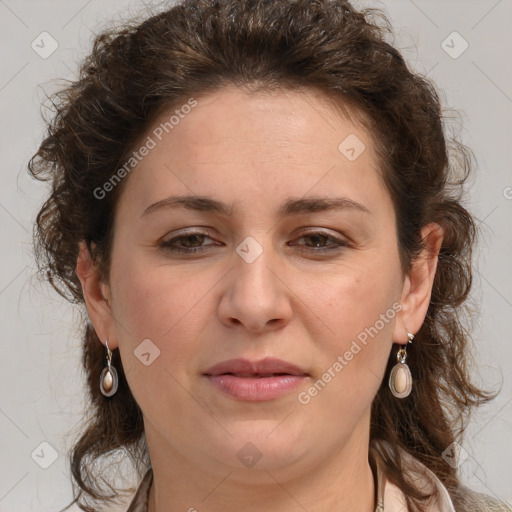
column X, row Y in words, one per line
column 389, row 498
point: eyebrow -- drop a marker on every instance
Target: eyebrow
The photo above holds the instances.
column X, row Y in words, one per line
column 292, row 206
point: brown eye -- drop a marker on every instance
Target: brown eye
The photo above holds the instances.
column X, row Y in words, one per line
column 187, row 244
column 317, row 239
column 319, row 242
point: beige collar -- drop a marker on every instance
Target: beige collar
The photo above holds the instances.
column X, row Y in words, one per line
column 389, row 498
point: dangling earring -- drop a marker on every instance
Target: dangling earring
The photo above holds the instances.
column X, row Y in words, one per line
column 400, row 378
column 108, row 377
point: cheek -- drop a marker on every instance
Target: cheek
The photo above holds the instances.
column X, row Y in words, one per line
column 353, row 300
column 360, row 308
column 161, row 305
column 157, row 326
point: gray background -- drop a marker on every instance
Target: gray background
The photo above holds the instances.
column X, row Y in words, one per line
column 41, row 392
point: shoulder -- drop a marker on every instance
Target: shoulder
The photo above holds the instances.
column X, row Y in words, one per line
column 465, row 499
column 459, row 499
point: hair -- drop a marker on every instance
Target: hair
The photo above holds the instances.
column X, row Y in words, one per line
column 140, row 69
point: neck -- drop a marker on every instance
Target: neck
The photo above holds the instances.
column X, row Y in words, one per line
column 342, row 482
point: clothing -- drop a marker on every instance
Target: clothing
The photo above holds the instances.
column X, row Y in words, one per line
column 389, row 498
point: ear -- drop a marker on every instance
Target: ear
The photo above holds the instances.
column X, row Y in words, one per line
column 417, row 287
column 97, row 297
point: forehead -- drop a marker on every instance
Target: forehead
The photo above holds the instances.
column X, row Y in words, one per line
column 244, row 145
column 272, row 117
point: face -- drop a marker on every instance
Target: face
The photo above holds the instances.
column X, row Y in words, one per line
column 297, row 302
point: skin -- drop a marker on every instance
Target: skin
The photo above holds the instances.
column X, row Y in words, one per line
column 255, row 151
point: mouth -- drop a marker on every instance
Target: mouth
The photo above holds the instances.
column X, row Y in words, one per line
column 261, row 380
column 243, row 368
column 255, row 375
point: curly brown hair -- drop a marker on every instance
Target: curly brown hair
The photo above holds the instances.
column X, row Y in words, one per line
column 136, row 71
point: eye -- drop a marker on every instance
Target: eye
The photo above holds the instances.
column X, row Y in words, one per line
column 188, row 243
column 193, row 242
column 319, row 239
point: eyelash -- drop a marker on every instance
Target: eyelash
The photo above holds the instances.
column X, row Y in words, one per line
column 168, row 245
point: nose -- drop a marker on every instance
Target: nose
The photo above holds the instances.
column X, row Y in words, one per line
column 256, row 294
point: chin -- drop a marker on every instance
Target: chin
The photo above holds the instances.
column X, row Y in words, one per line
column 259, row 445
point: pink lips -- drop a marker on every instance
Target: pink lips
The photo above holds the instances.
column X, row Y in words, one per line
column 255, row 380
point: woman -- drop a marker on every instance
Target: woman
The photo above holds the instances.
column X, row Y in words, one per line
column 255, row 203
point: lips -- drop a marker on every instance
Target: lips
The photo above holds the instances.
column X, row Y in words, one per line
column 268, row 367
column 262, row 380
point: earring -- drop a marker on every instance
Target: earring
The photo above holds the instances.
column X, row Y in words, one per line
column 108, row 377
column 400, row 378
